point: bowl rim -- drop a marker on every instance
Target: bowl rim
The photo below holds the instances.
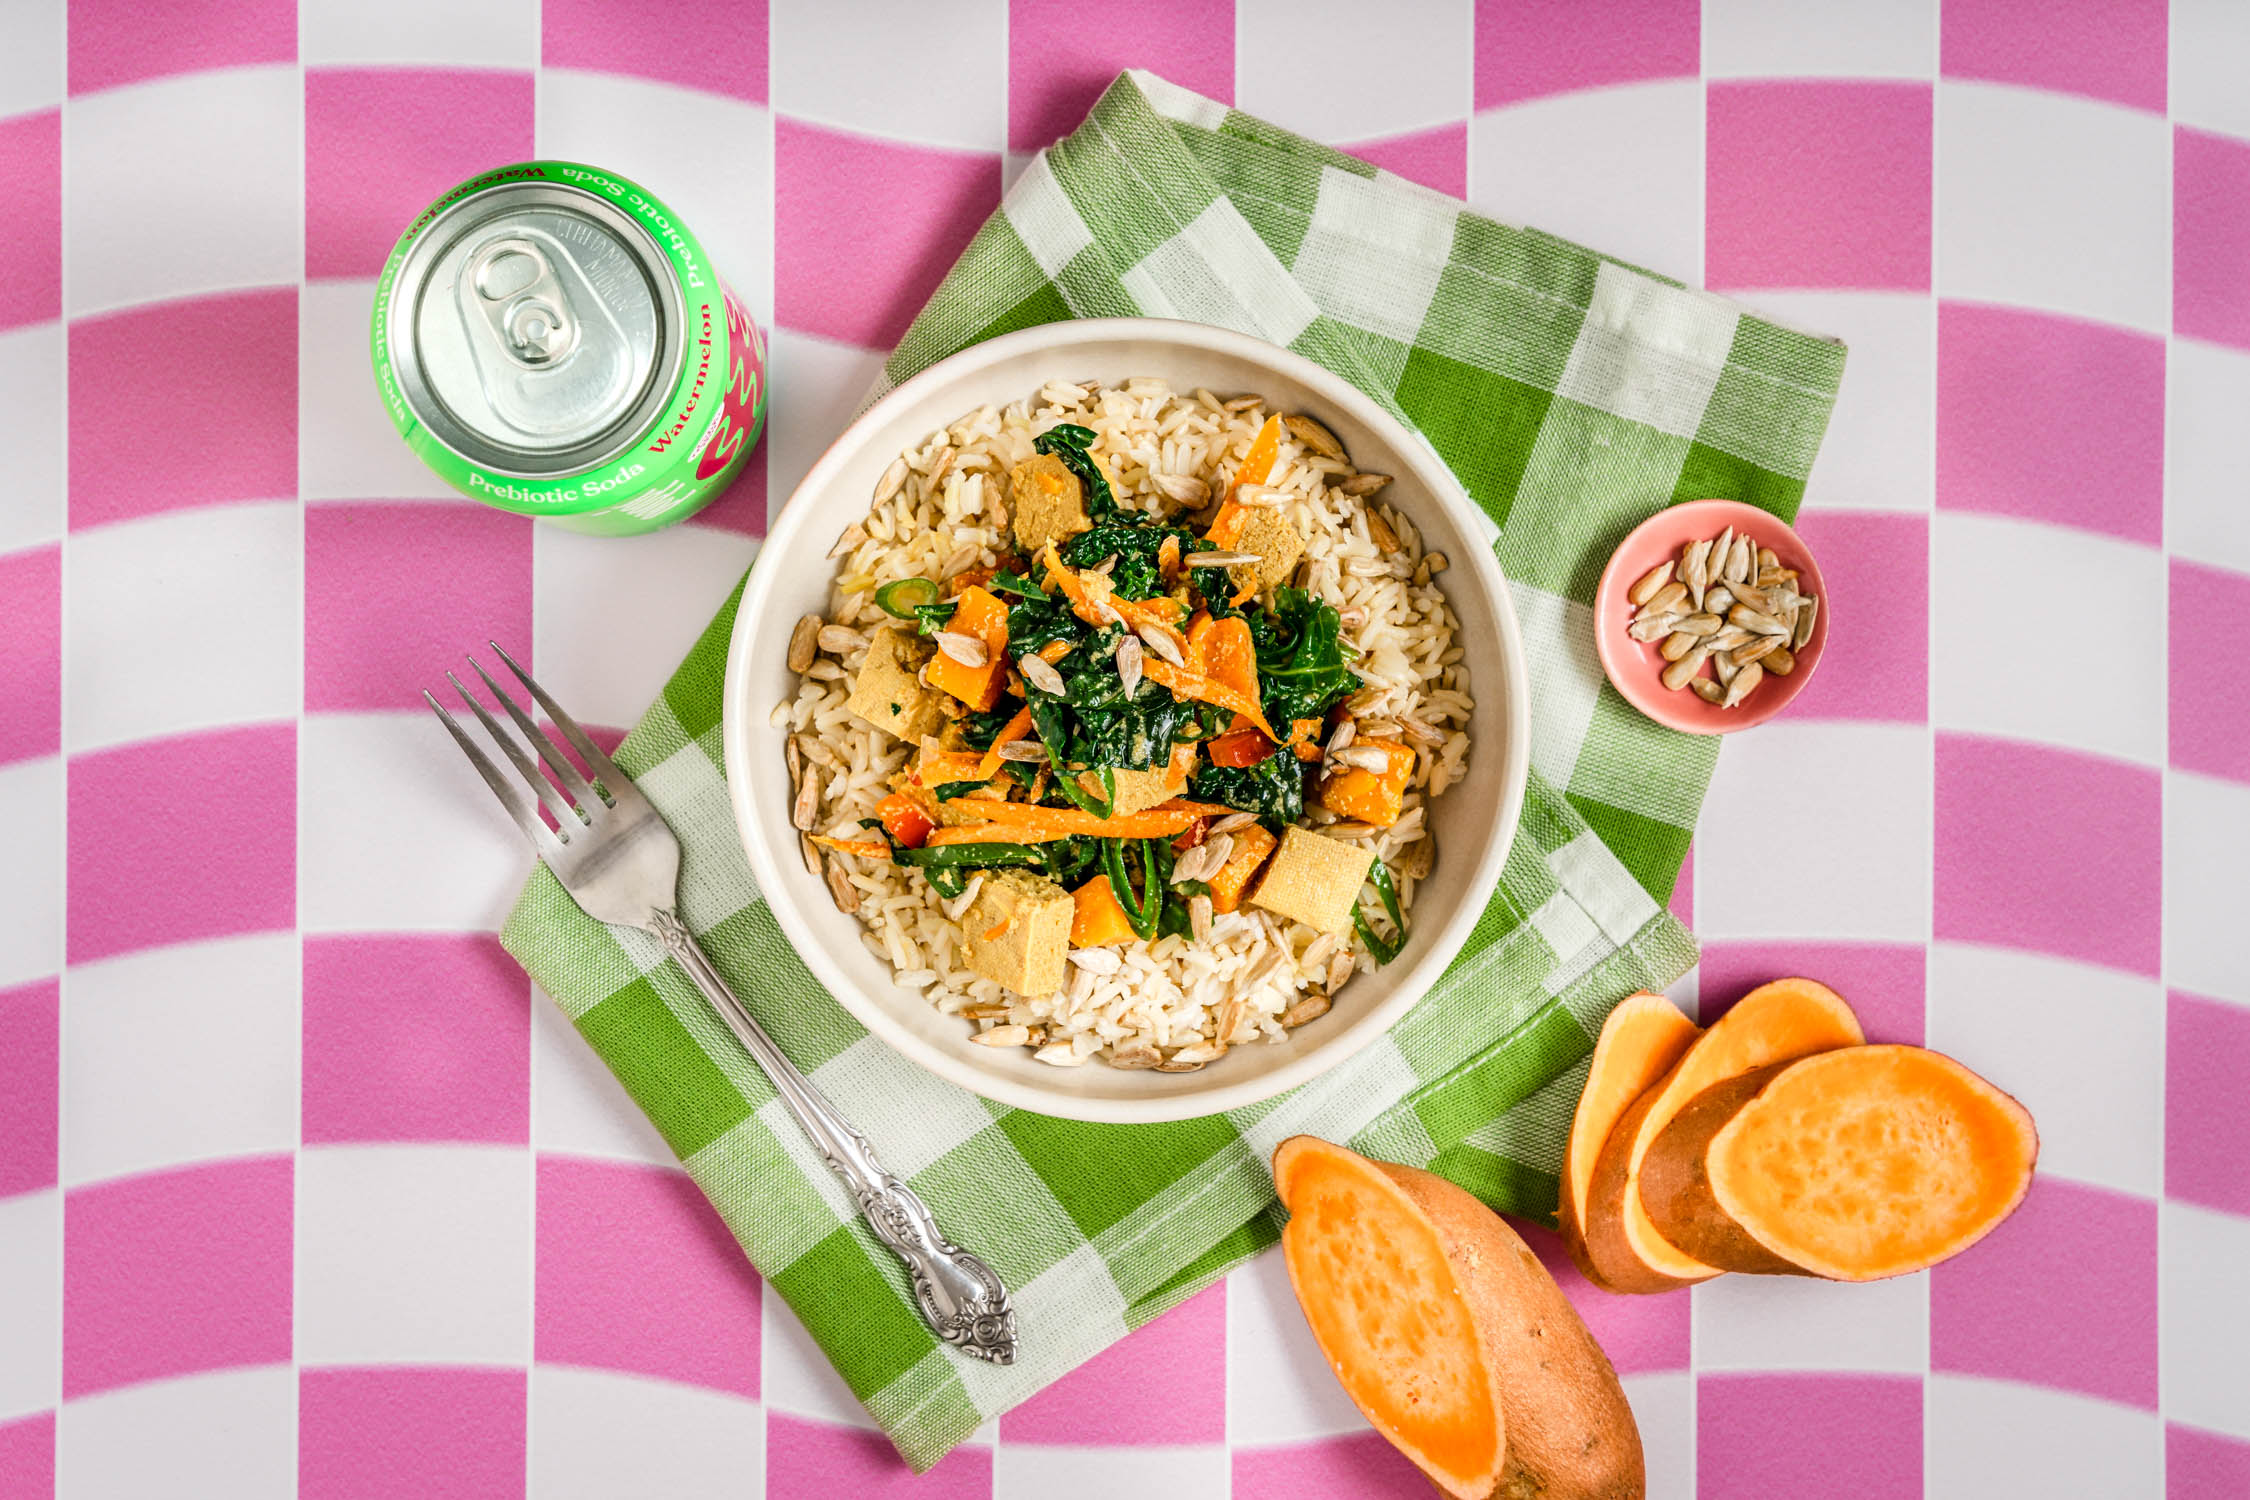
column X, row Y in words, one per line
column 1437, row 950
column 1626, row 668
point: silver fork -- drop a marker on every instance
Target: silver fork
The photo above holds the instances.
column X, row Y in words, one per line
column 620, row 861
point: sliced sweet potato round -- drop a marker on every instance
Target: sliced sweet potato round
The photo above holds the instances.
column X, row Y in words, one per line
column 1777, row 1022
column 1852, row 1165
column 1449, row 1335
column 1640, row 1041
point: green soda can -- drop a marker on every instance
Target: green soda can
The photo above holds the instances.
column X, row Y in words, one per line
column 550, row 338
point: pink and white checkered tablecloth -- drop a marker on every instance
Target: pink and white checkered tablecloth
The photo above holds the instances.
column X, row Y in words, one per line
column 302, row 1191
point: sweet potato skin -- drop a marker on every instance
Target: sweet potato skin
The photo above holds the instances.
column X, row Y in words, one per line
column 1776, row 1022
column 1683, row 1188
column 1571, row 1435
column 1640, row 1041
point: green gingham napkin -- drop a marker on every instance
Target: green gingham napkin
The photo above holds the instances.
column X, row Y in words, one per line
column 1573, row 396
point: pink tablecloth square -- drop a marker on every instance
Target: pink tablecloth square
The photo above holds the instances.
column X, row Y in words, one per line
column 405, row 1433
column 1164, row 1383
column 2113, row 51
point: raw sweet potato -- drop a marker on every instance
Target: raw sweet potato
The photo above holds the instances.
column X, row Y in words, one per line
column 1449, row 1335
column 1777, row 1022
column 1640, row 1041
column 1851, row 1165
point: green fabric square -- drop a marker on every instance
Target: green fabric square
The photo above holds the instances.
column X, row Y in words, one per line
column 696, row 693
column 1591, row 477
column 674, row 1082
column 1101, row 1173
column 1044, row 305
column 855, row 1312
column 1651, row 848
column 1509, row 1186
column 1453, row 1107
column 1483, row 425
column 757, row 957
column 1630, row 761
column 1707, row 473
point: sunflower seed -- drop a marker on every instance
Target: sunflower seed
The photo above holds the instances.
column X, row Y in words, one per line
column 1416, row 729
column 958, row 907
column 1744, row 680
column 1750, row 620
column 1340, row 970
column 888, row 485
column 1259, row 496
column 1346, row 732
column 1185, row 489
column 1231, row 1016
column 944, row 463
column 1161, row 642
column 1678, row 644
column 1364, row 484
column 804, row 643
column 1723, row 664
column 1061, row 1055
column 1097, row 960
column 1107, row 565
column 1216, row 852
column 1364, row 758
column 1701, row 625
column 1246, row 403
column 965, row 649
column 1671, row 599
column 1380, row 532
column 1350, row 829
column 1415, row 860
column 1650, row 627
column 1755, row 597
column 1174, row 1065
column 1314, row 436
column 1201, row 1052
column 1311, row 1008
column 1128, row 659
column 1003, row 1036
column 1755, row 650
column 851, row 536
column 1718, row 599
column 1647, row 587
column 1135, row 1058
column 1695, row 569
column 1779, row 662
column 1677, row 675
column 841, row 890
column 997, row 1011
column 1741, row 562
column 841, row 640
column 810, row 852
column 807, row 806
column 1802, row 635
column 1767, row 562
column 1708, row 690
column 1728, row 638
column 1199, row 918
column 793, row 756
column 1220, row 559
column 1040, row 675
column 1027, row 752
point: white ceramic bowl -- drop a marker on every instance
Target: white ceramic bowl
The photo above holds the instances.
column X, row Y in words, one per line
column 1474, row 820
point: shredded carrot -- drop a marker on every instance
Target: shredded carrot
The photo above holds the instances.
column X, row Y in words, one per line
column 1257, row 467
column 1223, row 651
column 865, row 848
column 989, row 767
column 1186, row 684
column 1200, row 809
column 993, row 934
column 1060, row 823
column 945, row 767
column 1055, row 651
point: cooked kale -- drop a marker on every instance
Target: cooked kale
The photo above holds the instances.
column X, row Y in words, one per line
column 1037, row 620
column 1135, row 544
column 1074, row 445
column 979, row 730
column 1094, row 722
column 1273, row 788
column 1301, row 671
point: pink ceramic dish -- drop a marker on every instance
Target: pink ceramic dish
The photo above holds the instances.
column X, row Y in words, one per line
column 1635, row 669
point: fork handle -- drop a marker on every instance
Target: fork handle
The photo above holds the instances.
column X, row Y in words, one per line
column 960, row 1297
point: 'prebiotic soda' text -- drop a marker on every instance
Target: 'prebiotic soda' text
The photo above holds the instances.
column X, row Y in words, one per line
column 551, row 340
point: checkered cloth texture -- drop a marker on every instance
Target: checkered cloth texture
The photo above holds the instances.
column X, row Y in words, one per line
column 1574, row 396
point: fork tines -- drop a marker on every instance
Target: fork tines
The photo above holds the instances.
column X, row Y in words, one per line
column 586, row 800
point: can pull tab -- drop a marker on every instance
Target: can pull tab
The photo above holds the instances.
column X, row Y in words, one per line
column 523, row 303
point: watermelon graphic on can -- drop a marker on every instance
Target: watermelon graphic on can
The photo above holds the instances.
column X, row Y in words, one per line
column 551, row 339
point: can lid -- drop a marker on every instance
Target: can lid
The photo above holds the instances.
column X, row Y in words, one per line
column 535, row 329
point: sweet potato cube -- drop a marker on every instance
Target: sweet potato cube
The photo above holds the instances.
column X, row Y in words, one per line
column 1016, row 931
column 1370, row 796
column 1313, row 879
column 980, row 614
column 1097, row 918
column 1050, row 503
column 1251, row 846
column 889, row 694
column 1269, row 534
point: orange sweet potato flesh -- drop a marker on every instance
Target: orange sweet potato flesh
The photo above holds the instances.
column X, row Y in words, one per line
column 1449, row 1335
column 1640, row 1041
column 1851, row 1165
column 1777, row 1022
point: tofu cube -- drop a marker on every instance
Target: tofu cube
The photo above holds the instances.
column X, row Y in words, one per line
column 1277, row 544
column 1017, row 931
column 1050, row 503
column 1138, row 791
column 1314, row 879
column 889, row 694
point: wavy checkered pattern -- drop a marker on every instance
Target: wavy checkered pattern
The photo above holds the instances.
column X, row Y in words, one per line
column 300, row 1192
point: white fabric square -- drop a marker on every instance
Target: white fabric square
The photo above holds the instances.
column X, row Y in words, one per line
column 395, row 831
column 181, row 185
column 180, row 1054
column 1399, row 78
column 1819, row 39
column 1862, row 788
column 1335, row 1105
column 1044, row 218
column 31, row 884
column 2082, row 1046
column 32, row 382
column 1986, row 1438
column 226, row 1432
column 2050, row 201
column 1617, row 167
column 1279, row 1388
column 1175, row 103
column 1793, row 1323
column 795, row 1377
column 606, row 665
column 2210, row 58
column 347, row 448
column 774, row 1116
column 1877, row 455
column 1566, row 677
column 917, row 1118
column 2206, row 1318
column 1075, row 1303
column 1997, row 667
column 2206, row 828
column 1649, row 351
column 187, row 620
column 444, row 33
column 1571, row 934
column 2208, row 390
column 1591, row 873
column 818, row 387
column 1664, row 1410
column 596, row 1435
column 413, row 1255
column 30, row 1303
column 707, row 155
column 1217, row 270
column 1374, row 251
column 931, row 74
column 31, row 65
column 692, row 794
column 577, row 1104
column 1034, row 1471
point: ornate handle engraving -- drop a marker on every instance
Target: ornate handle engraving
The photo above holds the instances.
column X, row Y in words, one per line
column 960, row 1297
